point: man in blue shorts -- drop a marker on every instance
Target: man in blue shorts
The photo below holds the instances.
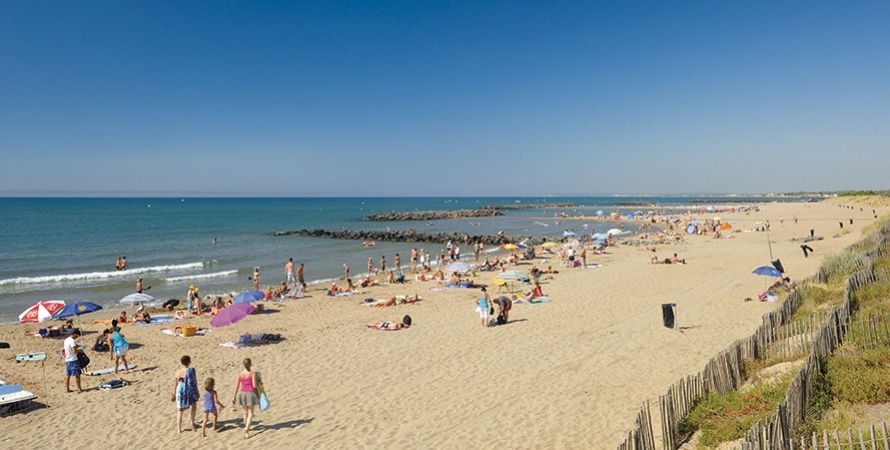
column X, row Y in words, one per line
column 72, row 366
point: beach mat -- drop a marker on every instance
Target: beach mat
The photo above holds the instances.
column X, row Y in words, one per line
column 155, row 320
column 232, row 344
column 108, row 370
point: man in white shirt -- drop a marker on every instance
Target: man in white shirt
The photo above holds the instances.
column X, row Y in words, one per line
column 72, row 366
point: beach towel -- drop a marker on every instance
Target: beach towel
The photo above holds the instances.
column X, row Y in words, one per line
column 155, row 320
column 171, row 333
column 539, row 301
column 441, row 289
column 187, row 389
column 232, row 345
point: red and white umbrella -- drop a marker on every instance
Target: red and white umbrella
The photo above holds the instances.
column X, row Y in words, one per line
column 41, row 311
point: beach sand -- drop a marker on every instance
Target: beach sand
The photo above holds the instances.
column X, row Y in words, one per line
column 571, row 373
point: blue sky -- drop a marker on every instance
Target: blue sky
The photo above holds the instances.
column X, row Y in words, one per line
column 442, row 98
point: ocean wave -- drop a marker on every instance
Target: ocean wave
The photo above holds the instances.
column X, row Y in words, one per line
column 96, row 276
column 202, row 276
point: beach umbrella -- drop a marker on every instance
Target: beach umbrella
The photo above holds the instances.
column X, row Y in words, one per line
column 598, row 242
column 599, row 212
column 533, row 241
column 509, row 246
column 137, row 298
column 76, row 309
column 550, row 244
column 614, row 231
column 511, row 275
column 767, row 271
column 41, row 311
column 249, row 297
column 459, row 266
column 231, row 314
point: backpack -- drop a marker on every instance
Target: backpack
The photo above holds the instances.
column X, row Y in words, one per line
column 83, row 360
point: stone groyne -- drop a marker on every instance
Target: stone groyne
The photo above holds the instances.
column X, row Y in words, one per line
column 485, row 211
column 403, row 236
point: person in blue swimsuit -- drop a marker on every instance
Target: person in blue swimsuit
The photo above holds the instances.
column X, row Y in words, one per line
column 209, row 406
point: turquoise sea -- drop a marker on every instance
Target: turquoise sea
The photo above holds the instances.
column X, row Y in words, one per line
column 66, row 248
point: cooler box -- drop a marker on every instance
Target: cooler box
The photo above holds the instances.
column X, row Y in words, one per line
column 189, row 330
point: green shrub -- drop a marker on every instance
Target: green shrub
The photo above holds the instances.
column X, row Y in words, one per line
column 728, row 417
column 841, row 265
column 859, row 376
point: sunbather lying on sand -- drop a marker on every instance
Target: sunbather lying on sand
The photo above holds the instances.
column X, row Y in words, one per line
column 396, row 300
column 388, row 325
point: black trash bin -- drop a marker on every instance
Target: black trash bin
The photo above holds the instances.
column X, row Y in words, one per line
column 668, row 315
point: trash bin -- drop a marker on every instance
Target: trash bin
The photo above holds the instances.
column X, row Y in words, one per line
column 667, row 314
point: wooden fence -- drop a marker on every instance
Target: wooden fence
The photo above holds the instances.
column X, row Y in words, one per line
column 778, row 337
column 874, row 438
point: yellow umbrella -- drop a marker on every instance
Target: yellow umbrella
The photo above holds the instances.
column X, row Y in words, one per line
column 550, row 244
column 509, row 247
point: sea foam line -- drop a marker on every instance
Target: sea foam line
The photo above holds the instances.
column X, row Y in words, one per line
column 91, row 276
column 226, row 273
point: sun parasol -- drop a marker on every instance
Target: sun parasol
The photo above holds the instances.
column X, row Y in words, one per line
column 249, row 297
column 231, row 314
column 76, row 309
column 40, row 311
column 459, row 266
column 137, row 298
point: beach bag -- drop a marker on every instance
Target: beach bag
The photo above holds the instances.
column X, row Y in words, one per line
column 189, row 330
column 501, row 319
column 264, row 402
column 406, row 320
column 83, row 360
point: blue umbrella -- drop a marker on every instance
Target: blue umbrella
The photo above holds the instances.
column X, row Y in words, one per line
column 767, row 271
column 599, row 212
column 249, row 297
column 76, row 309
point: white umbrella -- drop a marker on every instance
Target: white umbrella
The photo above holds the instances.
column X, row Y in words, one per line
column 137, row 298
column 614, row 231
column 459, row 266
column 513, row 275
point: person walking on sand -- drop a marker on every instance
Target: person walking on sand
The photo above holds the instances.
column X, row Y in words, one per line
column 482, row 307
column 300, row 275
column 185, row 391
column 289, row 276
column 370, row 267
column 72, row 365
column 397, row 262
column 119, row 348
column 209, row 406
column 246, row 394
column 383, row 264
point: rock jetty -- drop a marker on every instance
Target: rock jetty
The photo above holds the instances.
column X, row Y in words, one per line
column 403, row 236
column 485, row 211
column 400, row 216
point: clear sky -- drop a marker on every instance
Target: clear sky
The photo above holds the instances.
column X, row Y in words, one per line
column 442, row 98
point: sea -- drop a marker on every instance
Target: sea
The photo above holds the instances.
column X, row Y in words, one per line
column 66, row 248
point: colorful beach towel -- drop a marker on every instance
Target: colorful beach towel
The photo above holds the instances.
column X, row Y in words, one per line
column 187, row 389
column 172, row 333
column 231, row 345
column 155, row 320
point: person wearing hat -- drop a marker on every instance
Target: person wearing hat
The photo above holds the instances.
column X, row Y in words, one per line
column 72, row 366
column 141, row 315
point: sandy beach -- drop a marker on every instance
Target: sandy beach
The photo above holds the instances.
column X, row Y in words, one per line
column 570, row 373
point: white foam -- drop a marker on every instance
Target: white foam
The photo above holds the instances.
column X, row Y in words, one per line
column 93, row 276
column 226, row 273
